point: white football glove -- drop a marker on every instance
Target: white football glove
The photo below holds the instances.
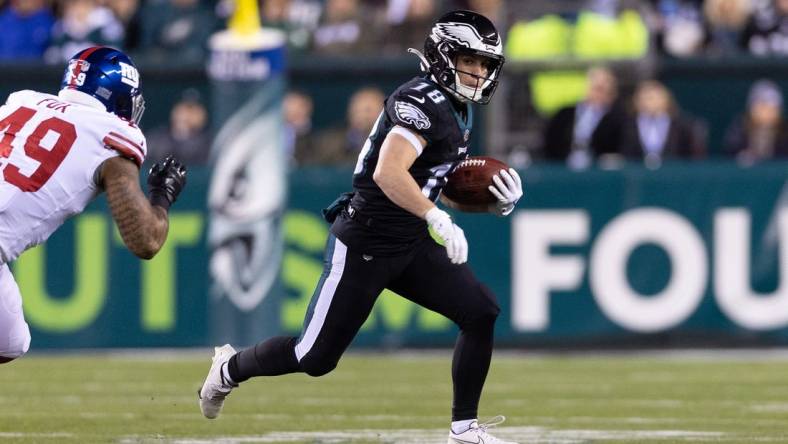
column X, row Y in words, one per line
column 508, row 190
column 452, row 235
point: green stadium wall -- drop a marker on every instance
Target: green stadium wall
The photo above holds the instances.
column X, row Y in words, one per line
column 683, row 256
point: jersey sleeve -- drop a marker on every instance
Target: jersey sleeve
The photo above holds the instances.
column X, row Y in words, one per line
column 127, row 140
column 416, row 111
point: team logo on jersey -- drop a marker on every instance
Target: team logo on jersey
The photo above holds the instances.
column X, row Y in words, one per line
column 129, row 75
column 408, row 113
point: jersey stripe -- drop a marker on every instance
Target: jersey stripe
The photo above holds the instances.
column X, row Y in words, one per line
column 128, row 141
column 324, row 298
column 123, row 149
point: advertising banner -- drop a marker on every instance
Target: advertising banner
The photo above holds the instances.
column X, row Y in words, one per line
column 685, row 255
column 248, row 190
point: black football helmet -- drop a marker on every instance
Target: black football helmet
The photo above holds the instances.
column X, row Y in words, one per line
column 463, row 32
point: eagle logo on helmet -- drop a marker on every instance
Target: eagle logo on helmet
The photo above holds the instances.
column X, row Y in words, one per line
column 408, row 113
column 463, row 34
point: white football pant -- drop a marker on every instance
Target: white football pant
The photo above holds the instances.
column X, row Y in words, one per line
column 14, row 332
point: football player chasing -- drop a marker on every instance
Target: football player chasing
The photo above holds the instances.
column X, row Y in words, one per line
column 57, row 153
column 379, row 237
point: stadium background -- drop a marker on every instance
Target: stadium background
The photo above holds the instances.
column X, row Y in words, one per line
column 621, row 254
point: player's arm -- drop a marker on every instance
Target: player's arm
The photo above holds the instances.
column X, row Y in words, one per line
column 142, row 223
column 397, row 155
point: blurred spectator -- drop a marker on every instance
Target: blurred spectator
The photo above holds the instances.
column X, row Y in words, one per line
column 408, row 22
column 176, row 30
column 726, row 20
column 129, row 14
column 761, row 133
column 298, row 108
column 26, row 26
column 580, row 133
column 344, row 29
column 297, row 18
column 678, row 27
column 767, row 31
column 83, row 23
column 187, row 136
column 657, row 130
column 341, row 146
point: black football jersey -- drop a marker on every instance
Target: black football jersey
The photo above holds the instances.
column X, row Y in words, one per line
column 380, row 226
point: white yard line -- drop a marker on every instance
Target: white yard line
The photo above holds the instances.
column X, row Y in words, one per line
column 205, row 353
column 533, row 435
column 9, row 435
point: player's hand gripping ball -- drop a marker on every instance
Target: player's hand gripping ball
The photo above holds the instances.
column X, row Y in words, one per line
column 469, row 183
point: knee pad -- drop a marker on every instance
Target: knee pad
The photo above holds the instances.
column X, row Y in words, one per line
column 315, row 366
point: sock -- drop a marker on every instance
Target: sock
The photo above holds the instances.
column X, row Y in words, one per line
column 226, row 376
column 272, row 357
column 458, row 427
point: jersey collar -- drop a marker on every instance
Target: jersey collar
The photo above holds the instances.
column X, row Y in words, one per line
column 80, row 98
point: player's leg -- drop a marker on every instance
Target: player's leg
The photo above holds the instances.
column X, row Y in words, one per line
column 433, row 282
column 14, row 332
column 340, row 304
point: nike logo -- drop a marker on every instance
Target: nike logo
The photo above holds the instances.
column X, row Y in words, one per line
column 366, row 257
column 417, row 99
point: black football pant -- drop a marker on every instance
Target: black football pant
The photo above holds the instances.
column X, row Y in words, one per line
column 347, row 290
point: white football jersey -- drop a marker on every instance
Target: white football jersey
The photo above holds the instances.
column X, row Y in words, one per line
column 50, row 149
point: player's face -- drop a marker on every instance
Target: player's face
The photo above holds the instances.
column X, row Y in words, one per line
column 472, row 69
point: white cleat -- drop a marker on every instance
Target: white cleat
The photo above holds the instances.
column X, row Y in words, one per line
column 477, row 434
column 215, row 389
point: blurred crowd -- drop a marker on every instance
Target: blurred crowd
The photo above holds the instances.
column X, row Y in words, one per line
column 577, row 117
column 650, row 127
column 178, row 30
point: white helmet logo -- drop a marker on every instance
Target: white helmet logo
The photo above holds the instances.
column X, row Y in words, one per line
column 465, row 35
column 129, row 75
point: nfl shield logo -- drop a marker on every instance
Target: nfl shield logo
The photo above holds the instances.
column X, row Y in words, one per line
column 466, row 136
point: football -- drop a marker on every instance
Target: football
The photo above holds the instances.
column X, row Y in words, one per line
column 468, row 183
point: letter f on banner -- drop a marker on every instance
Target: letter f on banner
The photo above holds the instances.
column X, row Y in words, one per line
column 535, row 272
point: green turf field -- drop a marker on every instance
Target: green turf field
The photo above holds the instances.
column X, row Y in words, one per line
column 398, row 399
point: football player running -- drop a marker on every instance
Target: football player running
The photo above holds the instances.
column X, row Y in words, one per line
column 379, row 237
column 59, row 152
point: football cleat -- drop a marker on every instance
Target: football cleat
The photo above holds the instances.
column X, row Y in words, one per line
column 216, row 388
column 477, row 433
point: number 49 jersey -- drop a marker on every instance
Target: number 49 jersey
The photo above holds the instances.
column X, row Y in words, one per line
column 50, row 149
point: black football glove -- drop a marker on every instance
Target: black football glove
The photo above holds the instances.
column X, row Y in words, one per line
column 166, row 179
